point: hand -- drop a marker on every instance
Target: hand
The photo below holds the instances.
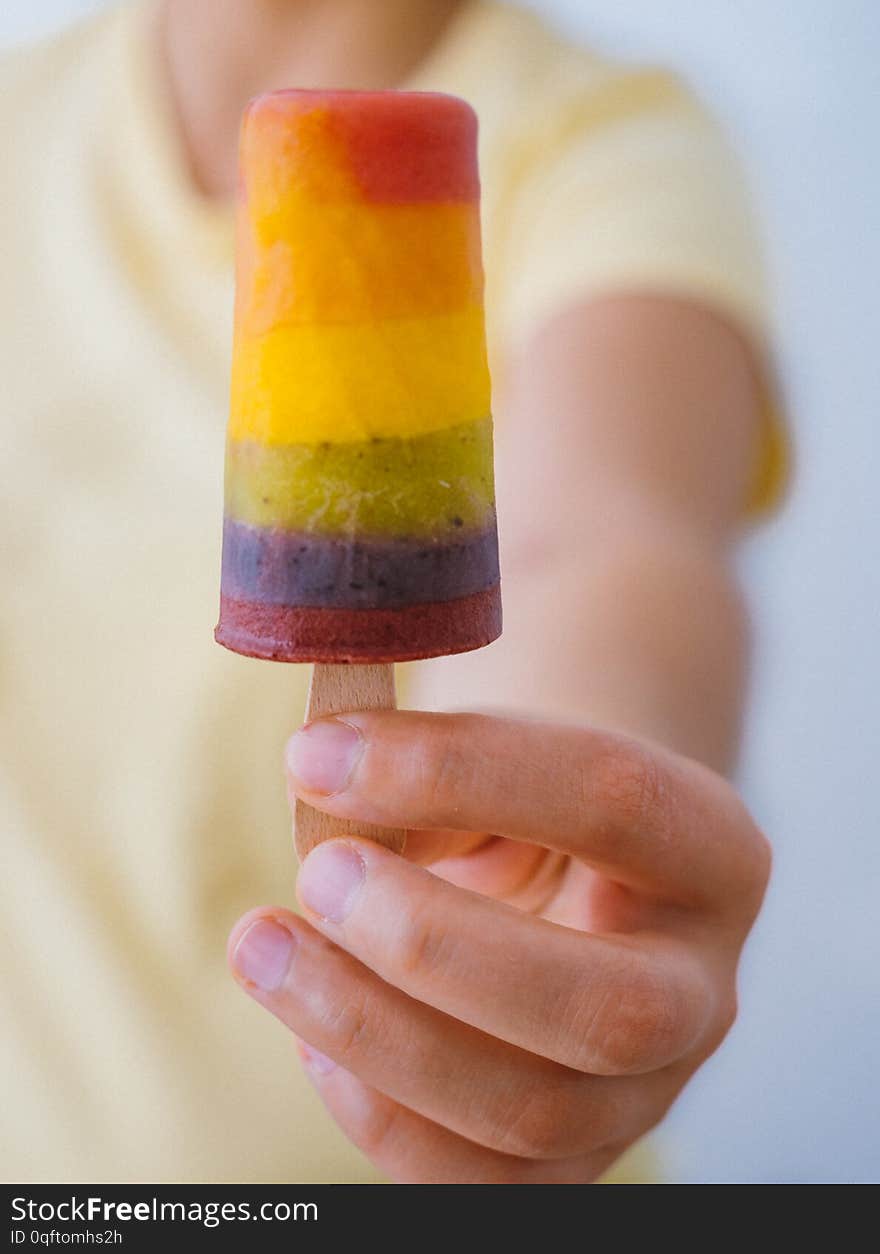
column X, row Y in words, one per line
column 530, row 1006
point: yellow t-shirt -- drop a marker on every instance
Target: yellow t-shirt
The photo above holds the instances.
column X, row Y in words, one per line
column 141, row 798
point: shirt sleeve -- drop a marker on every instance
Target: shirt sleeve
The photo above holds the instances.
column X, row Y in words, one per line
column 633, row 187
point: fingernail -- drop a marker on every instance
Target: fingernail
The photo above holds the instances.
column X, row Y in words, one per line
column 330, row 880
column 315, row 1060
column 322, row 756
column 263, row 954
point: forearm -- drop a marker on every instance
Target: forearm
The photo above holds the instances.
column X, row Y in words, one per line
column 628, row 428
column 647, row 635
column 662, row 639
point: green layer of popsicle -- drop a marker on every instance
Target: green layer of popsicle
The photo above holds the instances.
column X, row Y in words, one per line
column 432, row 485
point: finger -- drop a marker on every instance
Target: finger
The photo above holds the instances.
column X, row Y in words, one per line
column 485, row 1090
column 427, row 848
column 491, row 865
column 505, row 869
column 411, row 1149
column 642, row 815
column 607, row 1006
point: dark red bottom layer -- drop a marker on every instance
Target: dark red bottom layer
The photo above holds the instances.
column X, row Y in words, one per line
column 284, row 633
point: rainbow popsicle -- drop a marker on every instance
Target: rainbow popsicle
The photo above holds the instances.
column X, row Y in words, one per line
column 359, row 520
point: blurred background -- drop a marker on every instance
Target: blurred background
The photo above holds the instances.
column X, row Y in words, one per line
column 792, row 1096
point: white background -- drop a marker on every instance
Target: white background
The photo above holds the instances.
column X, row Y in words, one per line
column 793, row 1095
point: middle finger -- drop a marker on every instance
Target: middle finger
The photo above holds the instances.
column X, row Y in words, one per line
column 487, row 1090
column 608, row 1005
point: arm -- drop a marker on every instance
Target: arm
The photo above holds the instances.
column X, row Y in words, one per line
column 534, row 1003
column 626, row 435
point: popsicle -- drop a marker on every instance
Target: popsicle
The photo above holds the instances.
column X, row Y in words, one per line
column 359, row 516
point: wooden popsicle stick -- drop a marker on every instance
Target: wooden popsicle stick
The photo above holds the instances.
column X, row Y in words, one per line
column 339, row 690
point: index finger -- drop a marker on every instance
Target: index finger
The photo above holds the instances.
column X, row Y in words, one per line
column 641, row 814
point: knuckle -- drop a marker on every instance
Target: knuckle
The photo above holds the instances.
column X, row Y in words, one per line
column 760, row 862
column 539, row 1127
column 634, row 1028
column 631, row 787
column 722, row 1021
column 753, row 864
column 419, row 943
column 372, row 1123
column 446, row 769
column 344, row 1025
column 727, row 1014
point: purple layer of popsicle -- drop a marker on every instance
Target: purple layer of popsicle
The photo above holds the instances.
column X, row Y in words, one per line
column 278, row 567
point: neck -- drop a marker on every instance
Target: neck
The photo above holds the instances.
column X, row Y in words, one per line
column 218, row 53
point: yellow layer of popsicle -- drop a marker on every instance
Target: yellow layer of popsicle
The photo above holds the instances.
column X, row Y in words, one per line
column 406, row 377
